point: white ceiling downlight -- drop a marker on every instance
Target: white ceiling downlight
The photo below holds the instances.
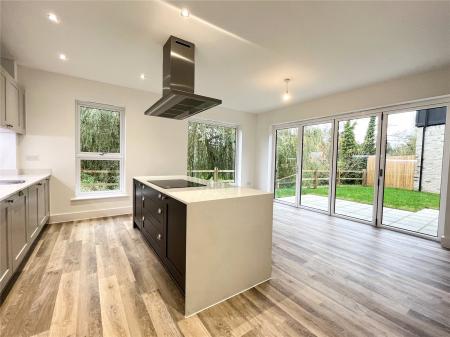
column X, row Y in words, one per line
column 142, row 76
column 53, row 17
column 63, row 57
column 185, row 12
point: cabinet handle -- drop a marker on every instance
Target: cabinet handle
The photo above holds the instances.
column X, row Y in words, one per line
column 143, row 218
column 9, row 126
column 39, row 184
column 9, row 201
column 159, row 237
column 159, row 210
column 143, row 198
column 159, row 196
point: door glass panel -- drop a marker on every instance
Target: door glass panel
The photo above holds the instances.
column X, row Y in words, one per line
column 413, row 169
column 355, row 174
column 316, row 167
column 286, row 164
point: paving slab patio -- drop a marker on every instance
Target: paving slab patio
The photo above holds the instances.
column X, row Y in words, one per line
column 424, row 221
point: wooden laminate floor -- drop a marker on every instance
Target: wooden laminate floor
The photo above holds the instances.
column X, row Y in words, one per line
column 331, row 277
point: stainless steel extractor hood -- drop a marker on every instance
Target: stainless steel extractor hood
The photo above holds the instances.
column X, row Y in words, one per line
column 179, row 100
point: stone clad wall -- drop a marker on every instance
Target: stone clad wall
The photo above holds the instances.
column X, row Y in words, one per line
column 432, row 161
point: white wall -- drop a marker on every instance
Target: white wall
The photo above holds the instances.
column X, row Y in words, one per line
column 425, row 85
column 154, row 146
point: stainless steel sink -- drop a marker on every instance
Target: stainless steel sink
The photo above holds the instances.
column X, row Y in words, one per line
column 11, row 182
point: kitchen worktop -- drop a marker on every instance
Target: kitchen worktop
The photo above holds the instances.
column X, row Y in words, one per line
column 30, row 179
column 213, row 190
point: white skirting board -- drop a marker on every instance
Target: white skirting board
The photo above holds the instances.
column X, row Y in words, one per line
column 98, row 213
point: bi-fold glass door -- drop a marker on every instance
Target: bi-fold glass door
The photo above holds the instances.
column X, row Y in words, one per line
column 356, row 167
column 382, row 168
column 316, row 154
column 412, row 169
column 307, row 184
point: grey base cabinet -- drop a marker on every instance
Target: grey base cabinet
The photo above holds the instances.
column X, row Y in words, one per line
column 33, row 223
column 6, row 269
column 22, row 217
column 17, row 223
column 162, row 222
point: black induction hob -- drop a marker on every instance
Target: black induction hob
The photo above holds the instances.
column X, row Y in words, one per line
column 175, row 183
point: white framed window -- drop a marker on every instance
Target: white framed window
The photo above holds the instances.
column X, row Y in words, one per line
column 99, row 153
column 213, row 151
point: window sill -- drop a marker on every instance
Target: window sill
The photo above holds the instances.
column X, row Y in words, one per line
column 97, row 197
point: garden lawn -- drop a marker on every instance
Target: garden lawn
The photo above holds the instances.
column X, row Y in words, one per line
column 393, row 197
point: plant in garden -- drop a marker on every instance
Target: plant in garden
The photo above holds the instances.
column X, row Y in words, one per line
column 368, row 147
column 316, row 154
column 211, row 146
column 286, row 157
column 349, row 161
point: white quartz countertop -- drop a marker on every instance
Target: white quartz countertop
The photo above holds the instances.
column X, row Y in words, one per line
column 213, row 191
column 30, row 179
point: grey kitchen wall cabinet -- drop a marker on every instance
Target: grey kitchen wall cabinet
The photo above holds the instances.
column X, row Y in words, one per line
column 2, row 100
column 12, row 104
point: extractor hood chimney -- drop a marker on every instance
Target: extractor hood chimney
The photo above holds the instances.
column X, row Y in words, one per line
column 179, row 100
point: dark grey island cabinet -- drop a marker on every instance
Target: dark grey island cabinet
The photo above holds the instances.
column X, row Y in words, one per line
column 162, row 222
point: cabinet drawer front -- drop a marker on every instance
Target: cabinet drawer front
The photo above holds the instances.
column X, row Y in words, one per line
column 159, row 225
column 155, row 236
column 153, row 195
column 157, row 211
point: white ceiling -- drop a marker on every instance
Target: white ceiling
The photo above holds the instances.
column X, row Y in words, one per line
column 244, row 48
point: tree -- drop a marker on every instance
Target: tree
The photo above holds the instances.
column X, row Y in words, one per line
column 211, row 146
column 316, row 154
column 286, row 154
column 368, row 147
column 348, row 146
column 348, row 153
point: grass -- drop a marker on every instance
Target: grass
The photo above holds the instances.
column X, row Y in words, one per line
column 393, row 197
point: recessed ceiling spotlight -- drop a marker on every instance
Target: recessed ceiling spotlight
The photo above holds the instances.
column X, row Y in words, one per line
column 142, row 76
column 287, row 95
column 53, row 18
column 63, row 57
column 185, row 12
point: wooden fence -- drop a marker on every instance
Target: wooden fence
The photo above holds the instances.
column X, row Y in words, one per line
column 399, row 172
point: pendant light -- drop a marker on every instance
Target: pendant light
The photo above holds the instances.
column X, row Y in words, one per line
column 287, row 95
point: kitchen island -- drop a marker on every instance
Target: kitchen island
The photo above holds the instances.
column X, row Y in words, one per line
column 215, row 240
